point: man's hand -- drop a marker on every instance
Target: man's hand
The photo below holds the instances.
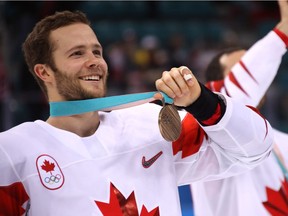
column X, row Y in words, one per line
column 179, row 84
column 283, row 24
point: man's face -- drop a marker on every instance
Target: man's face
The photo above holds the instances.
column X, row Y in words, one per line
column 229, row 60
column 81, row 70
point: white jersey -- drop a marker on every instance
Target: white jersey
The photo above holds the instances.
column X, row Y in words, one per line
column 126, row 167
column 250, row 78
column 263, row 190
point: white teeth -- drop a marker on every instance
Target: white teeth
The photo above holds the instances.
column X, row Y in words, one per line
column 92, row 78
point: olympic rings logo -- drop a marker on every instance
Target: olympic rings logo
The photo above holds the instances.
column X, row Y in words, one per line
column 53, row 179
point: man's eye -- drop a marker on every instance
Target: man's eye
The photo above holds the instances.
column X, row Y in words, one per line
column 76, row 53
column 97, row 52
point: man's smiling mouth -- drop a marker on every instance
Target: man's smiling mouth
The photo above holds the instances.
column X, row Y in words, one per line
column 91, row 78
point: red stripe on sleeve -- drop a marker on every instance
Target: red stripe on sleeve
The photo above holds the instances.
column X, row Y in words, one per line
column 235, row 81
column 216, row 86
column 249, row 73
column 209, row 86
column 258, row 112
column 283, row 36
column 214, row 118
column 191, row 137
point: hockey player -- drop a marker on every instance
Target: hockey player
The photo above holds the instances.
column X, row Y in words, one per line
column 263, row 190
column 116, row 163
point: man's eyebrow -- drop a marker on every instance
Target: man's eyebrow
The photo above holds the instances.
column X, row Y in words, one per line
column 97, row 46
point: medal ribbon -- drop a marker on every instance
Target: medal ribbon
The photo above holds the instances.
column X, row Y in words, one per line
column 66, row 108
column 280, row 161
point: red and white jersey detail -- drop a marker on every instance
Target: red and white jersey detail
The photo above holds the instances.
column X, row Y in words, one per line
column 250, row 78
column 263, row 191
column 49, row 172
column 131, row 169
column 13, row 199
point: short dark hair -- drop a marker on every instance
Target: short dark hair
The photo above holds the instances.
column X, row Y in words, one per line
column 214, row 70
column 37, row 47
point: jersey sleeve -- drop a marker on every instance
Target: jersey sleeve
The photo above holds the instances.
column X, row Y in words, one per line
column 13, row 196
column 250, row 78
column 238, row 142
column 8, row 176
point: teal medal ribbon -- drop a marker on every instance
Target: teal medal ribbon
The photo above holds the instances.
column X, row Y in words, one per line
column 67, row 108
column 282, row 166
column 169, row 120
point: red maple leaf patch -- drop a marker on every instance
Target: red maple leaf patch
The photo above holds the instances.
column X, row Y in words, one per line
column 48, row 167
column 120, row 206
column 277, row 203
column 12, row 197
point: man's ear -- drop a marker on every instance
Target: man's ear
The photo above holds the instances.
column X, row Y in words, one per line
column 43, row 72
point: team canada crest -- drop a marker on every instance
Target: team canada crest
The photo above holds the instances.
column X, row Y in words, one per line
column 49, row 172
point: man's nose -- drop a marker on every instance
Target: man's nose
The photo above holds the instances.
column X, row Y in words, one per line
column 91, row 61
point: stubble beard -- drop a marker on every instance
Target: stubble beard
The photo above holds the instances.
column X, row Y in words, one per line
column 71, row 89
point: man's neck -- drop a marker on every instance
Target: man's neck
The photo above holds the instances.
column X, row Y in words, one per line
column 83, row 125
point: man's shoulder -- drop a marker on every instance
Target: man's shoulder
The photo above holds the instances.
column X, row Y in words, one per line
column 23, row 129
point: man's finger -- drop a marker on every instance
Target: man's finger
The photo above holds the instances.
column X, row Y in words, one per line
column 186, row 73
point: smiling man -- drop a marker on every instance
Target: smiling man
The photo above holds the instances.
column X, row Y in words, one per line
column 117, row 163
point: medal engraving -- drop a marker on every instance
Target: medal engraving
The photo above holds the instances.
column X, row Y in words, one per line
column 169, row 122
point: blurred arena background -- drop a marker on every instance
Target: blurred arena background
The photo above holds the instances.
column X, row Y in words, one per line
column 140, row 39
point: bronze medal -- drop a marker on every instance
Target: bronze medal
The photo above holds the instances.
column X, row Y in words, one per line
column 169, row 122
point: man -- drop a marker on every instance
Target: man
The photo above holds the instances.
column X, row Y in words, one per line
column 116, row 163
column 263, row 190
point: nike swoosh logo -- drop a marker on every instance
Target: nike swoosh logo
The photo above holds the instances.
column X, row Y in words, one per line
column 147, row 163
